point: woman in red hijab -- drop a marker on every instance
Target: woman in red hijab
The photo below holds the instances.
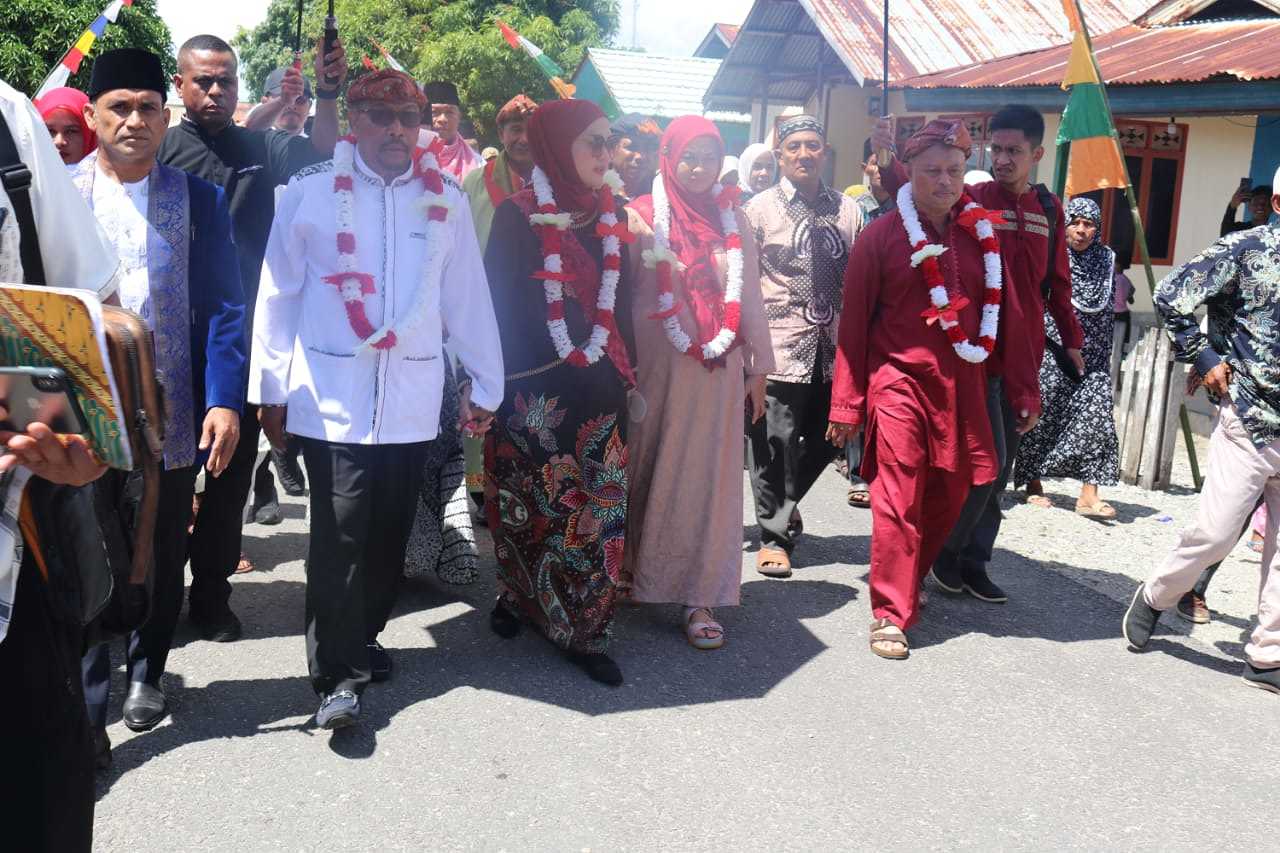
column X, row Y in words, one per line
column 555, row 478
column 703, row 349
column 63, row 112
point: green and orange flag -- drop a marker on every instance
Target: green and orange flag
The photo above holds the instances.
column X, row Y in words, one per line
column 554, row 73
column 1096, row 162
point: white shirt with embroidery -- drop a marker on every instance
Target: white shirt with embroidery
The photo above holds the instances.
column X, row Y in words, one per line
column 122, row 211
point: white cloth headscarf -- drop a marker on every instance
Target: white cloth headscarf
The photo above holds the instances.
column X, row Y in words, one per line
column 747, row 162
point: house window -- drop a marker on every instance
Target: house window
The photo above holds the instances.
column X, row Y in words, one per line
column 1155, row 158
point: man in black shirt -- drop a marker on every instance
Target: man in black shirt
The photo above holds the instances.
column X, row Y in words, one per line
column 248, row 164
column 1259, row 199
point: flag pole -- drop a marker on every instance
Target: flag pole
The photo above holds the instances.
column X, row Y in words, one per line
column 1139, row 232
column 883, row 157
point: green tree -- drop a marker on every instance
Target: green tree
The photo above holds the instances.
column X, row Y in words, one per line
column 34, row 35
column 456, row 40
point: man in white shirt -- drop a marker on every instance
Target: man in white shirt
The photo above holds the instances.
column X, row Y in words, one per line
column 370, row 258
column 172, row 232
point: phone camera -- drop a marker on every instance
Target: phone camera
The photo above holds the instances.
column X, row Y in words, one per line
column 47, row 384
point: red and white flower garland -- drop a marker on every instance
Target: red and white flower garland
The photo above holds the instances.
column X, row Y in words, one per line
column 355, row 285
column 975, row 220
column 664, row 261
column 551, row 223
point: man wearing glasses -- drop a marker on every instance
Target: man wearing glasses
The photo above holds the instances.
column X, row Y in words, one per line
column 371, row 257
column 284, row 107
column 248, row 165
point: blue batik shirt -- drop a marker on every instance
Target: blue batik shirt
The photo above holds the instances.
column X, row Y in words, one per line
column 1237, row 279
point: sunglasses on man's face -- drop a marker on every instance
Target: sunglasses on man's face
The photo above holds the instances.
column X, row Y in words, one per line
column 383, row 116
column 597, row 143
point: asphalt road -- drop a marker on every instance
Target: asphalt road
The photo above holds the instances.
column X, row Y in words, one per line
column 1025, row 726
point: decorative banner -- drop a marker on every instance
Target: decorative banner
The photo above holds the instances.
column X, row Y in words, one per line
column 553, row 72
column 1095, row 159
column 70, row 62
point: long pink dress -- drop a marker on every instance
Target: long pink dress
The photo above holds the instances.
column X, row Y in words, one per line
column 684, row 522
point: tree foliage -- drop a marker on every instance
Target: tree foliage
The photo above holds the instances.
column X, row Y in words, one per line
column 34, row 35
column 455, row 40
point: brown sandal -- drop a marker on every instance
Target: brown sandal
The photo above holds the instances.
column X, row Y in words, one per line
column 773, row 562
column 1101, row 509
column 860, row 497
column 884, row 631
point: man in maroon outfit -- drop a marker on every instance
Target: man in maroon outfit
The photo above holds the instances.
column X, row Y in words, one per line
column 897, row 375
column 1032, row 266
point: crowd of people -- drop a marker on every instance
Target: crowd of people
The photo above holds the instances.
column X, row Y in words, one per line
column 580, row 336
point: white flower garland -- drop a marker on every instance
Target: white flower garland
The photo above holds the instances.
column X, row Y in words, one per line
column 553, row 223
column 354, row 285
column 974, row 220
column 661, row 259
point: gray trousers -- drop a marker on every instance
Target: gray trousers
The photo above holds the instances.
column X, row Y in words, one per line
column 787, row 452
column 973, row 537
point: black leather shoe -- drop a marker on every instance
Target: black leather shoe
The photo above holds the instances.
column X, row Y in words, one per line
column 224, row 628
column 143, row 707
column 599, row 667
column 379, row 662
column 1263, row 679
column 946, row 574
column 1139, row 619
column 978, row 584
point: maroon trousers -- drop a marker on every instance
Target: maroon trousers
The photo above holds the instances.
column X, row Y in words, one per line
column 913, row 506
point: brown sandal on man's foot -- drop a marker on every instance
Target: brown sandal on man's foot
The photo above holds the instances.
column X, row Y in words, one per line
column 773, row 562
column 859, row 496
column 888, row 641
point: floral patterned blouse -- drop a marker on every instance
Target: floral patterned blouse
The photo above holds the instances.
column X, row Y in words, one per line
column 1237, row 279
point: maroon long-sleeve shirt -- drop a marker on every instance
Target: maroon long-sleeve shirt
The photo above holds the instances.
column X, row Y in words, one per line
column 1025, row 249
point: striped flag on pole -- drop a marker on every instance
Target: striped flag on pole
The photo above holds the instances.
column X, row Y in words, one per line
column 391, row 60
column 70, row 62
column 1095, row 162
column 553, row 72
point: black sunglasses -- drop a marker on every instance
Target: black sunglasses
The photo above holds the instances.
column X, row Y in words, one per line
column 383, row 116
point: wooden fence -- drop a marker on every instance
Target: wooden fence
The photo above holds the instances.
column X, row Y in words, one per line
column 1150, row 395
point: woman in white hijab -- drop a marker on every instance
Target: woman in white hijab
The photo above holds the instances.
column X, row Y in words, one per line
column 757, row 169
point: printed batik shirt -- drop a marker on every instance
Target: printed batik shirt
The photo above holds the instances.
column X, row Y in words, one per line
column 1237, row 279
column 804, row 249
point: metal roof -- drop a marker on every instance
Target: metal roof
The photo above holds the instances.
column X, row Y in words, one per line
column 782, row 42
column 1187, row 53
column 1179, row 11
column 661, row 86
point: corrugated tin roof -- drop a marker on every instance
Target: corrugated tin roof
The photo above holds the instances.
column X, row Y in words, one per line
column 787, row 38
column 1178, row 11
column 662, row 86
column 1188, row 53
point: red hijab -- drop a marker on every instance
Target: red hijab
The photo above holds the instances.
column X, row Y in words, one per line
column 695, row 225
column 552, row 129
column 72, row 101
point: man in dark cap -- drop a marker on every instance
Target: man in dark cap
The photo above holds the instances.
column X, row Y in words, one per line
column 172, row 232
column 249, row 165
column 909, row 373
column 633, row 148
column 284, row 106
column 804, row 231
column 457, row 157
column 505, row 174
column 362, row 387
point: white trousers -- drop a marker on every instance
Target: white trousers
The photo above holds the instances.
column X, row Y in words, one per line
column 1238, row 473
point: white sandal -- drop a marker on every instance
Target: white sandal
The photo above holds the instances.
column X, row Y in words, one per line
column 694, row 631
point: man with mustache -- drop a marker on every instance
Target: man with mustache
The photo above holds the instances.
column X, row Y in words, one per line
column 172, row 232
column 248, row 165
column 805, row 231
column 1033, row 249
column 633, row 150
column 372, row 256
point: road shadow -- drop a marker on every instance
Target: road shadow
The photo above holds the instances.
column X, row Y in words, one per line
column 767, row 641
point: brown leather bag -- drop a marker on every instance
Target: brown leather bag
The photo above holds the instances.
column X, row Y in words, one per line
column 127, row 502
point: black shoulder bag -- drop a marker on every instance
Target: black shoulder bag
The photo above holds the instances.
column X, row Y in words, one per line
column 1057, row 350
